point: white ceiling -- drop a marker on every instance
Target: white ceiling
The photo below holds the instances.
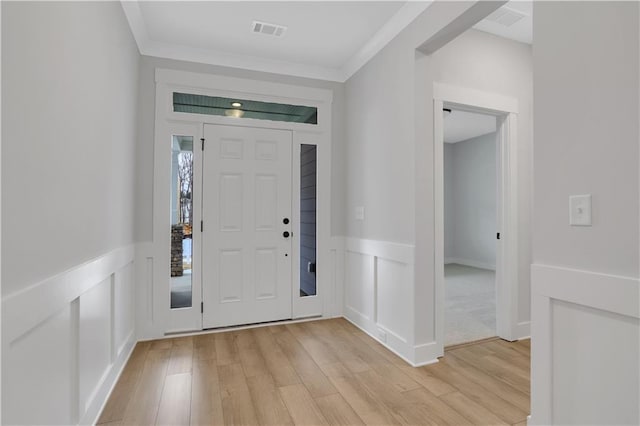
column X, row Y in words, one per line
column 328, row 40
column 521, row 30
column 461, row 125
column 324, row 39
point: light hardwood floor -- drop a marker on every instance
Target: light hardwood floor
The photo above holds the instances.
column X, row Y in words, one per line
column 316, row 373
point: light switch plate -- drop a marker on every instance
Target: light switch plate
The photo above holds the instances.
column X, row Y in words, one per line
column 580, row 210
column 359, row 213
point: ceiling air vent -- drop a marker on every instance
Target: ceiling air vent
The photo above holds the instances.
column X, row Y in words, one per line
column 268, row 29
column 505, row 16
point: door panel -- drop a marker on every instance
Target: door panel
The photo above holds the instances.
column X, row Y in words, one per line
column 246, row 257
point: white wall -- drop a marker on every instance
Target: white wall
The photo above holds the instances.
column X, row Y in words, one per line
column 583, row 146
column 470, row 213
column 389, row 135
column 585, row 286
column 449, row 221
column 69, row 109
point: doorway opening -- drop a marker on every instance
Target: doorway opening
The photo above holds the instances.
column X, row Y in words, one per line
column 470, row 224
column 503, row 111
column 245, row 168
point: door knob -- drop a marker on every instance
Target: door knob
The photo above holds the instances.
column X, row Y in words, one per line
column 285, row 220
column 286, row 234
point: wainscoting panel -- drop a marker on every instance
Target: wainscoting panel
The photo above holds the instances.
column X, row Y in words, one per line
column 586, row 333
column 123, row 315
column 583, row 368
column 379, row 292
column 359, row 285
column 394, row 298
column 335, row 306
column 94, row 339
column 65, row 340
column 37, row 377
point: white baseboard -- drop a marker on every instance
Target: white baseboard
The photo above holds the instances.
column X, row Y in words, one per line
column 469, row 262
column 394, row 348
column 523, row 330
column 425, row 354
column 416, row 356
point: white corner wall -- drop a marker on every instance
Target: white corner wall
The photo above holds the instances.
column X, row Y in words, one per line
column 470, row 202
column 69, row 114
column 585, row 280
column 389, row 154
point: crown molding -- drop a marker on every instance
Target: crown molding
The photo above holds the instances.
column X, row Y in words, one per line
column 253, row 63
column 405, row 15
column 398, row 22
column 136, row 23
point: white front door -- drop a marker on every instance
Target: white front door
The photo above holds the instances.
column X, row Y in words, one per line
column 246, row 238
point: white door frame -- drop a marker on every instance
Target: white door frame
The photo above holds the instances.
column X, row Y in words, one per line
column 165, row 320
column 506, row 111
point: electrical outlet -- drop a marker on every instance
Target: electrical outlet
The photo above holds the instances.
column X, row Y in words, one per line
column 360, row 213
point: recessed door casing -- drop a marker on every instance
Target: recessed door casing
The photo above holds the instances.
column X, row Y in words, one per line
column 246, row 253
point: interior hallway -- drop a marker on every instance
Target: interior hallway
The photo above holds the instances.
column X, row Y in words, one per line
column 470, row 303
column 319, row 372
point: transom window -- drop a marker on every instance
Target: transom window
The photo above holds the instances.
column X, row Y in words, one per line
column 242, row 108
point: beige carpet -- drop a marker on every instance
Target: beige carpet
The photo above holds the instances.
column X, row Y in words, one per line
column 470, row 304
